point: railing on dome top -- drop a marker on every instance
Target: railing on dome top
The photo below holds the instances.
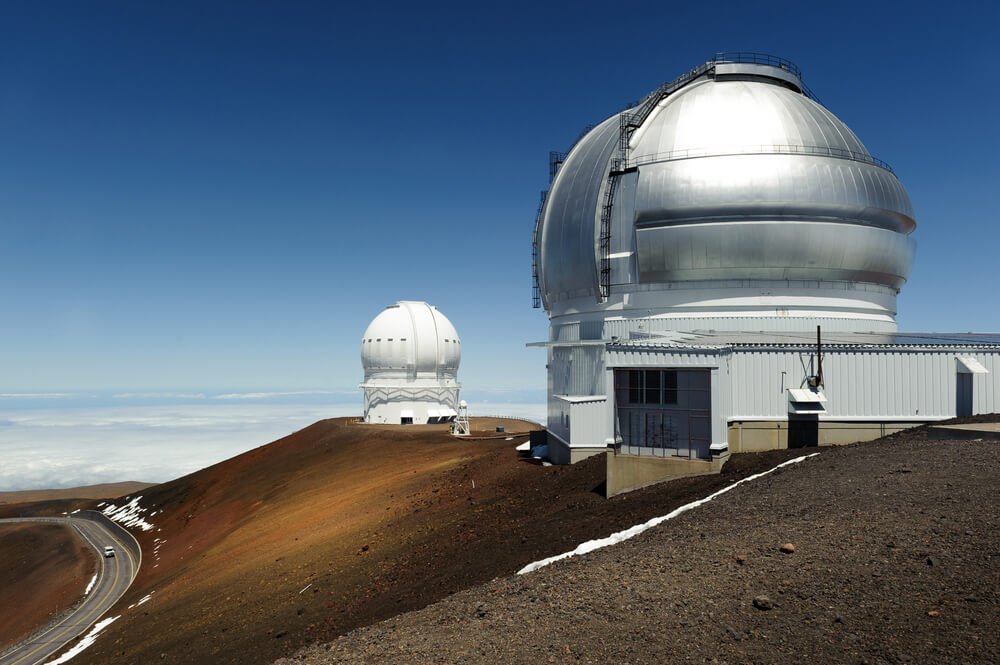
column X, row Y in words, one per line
column 754, row 58
column 757, row 58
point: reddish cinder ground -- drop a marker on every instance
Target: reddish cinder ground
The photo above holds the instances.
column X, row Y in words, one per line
column 44, row 570
column 343, row 524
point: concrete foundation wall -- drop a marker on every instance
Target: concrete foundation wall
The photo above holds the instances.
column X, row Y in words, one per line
column 631, row 472
column 757, row 436
column 561, row 453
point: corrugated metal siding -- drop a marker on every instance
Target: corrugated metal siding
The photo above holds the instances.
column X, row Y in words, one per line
column 876, row 384
column 863, row 384
column 665, row 357
column 588, row 423
column 557, row 412
column 577, row 370
column 986, row 387
column 566, row 332
column 560, row 367
column 587, row 371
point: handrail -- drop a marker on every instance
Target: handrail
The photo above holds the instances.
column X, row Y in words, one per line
column 757, row 58
column 774, row 149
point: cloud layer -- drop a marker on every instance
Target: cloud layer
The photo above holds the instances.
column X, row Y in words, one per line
column 56, row 447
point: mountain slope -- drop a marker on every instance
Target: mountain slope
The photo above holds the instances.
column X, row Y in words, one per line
column 341, row 525
column 45, row 569
column 101, row 491
column 896, row 559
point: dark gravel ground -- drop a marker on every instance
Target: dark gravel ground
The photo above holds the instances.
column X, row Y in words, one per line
column 897, row 559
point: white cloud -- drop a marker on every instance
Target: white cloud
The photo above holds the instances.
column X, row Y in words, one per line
column 67, row 446
column 160, row 395
column 273, row 395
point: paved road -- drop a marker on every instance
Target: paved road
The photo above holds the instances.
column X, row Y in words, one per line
column 114, row 576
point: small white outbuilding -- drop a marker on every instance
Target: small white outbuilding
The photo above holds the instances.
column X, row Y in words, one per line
column 410, row 353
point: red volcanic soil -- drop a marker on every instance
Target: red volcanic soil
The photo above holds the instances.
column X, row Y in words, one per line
column 44, row 570
column 885, row 552
column 341, row 525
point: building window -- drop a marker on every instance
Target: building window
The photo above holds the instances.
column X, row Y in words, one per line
column 651, row 392
column 670, row 386
column 634, row 387
column 665, row 412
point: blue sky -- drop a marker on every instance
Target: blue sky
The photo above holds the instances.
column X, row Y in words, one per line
column 215, row 196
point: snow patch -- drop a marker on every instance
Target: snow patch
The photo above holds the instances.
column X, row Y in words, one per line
column 142, row 600
column 128, row 515
column 622, row 536
column 87, row 640
column 93, row 580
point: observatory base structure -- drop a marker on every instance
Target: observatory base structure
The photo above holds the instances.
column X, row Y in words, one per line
column 700, row 396
column 686, row 252
column 408, row 404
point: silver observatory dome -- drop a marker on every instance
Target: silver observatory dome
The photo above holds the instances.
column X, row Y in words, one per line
column 727, row 195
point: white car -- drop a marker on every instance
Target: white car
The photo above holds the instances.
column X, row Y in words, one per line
column 109, row 551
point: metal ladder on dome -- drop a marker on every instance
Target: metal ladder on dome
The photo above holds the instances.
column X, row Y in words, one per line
column 629, row 121
column 536, row 292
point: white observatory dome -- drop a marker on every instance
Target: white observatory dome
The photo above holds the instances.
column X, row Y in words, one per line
column 410, row 354
column 728, row 199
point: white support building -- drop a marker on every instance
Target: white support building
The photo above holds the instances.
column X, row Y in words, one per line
column 410, row 353
column 702, row 395
column 686, row 253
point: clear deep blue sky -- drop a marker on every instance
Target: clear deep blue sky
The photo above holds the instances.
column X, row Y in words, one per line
column 223, row 195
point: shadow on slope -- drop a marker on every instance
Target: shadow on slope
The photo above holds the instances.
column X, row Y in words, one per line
column 341, row 525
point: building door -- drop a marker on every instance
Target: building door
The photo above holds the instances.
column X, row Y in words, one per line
column 803, row 430
column 665, row 411
column 963, row 396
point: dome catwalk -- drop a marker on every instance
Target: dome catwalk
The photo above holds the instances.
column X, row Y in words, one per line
column 410, row 354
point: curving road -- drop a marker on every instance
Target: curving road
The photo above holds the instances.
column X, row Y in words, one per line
column 114, row 576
